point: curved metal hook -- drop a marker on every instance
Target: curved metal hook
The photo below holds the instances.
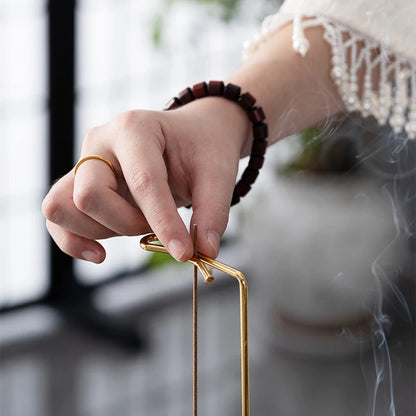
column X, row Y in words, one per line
column 151, row 243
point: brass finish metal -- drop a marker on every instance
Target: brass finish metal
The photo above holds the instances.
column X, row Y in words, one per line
column 195, row 327
column 91, row 157
column 151, row 243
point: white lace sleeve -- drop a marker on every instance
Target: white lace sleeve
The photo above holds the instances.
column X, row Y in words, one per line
column 389, row 89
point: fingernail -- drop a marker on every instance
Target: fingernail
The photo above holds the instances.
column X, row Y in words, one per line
column 214, row 240
column 176, row 249
column 90, row 256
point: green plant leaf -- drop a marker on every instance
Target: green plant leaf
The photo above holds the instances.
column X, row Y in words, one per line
column 160, row 259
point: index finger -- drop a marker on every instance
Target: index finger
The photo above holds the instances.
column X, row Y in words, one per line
column 145, row 173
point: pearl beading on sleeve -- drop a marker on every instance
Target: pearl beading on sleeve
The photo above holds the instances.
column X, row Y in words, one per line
column 388, row 92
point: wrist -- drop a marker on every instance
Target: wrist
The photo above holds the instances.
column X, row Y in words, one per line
column 295, row 91
column 232, row 121
column 254, row 115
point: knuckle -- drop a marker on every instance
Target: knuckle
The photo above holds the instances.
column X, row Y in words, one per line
column 160, row 223
column 52, row 208
column 91, row 135
column 141, row 183
column 131, row 120
column 85, row 198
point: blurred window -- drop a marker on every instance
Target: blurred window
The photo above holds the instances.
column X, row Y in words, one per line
column 140, row 54
column 129, row 54
column 24, row 165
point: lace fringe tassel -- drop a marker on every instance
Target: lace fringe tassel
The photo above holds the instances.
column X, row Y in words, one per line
column 389, row 89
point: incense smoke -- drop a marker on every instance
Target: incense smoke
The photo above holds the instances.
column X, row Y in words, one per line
column 390, row 157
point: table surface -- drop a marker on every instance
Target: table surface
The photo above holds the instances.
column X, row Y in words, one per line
column 70, row 372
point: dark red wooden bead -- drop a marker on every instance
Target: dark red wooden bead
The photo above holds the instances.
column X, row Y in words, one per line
column 256, row 115
column 172, row 104
column 200, row 90
column 255, row 162
column 186, row 96
column 260, row 131
column 232, row 92
column 235, row 199
column 249, row 176
column 246, row 101
column 215, row 88
column 242, row 188
column 258, row 147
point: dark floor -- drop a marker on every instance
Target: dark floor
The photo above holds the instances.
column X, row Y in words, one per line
column 66, row 371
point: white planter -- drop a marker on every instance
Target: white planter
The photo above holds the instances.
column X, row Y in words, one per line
column 326, row 248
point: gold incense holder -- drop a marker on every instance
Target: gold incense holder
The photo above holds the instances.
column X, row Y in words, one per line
column 151, row 243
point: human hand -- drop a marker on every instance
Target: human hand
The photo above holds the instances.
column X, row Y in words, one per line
column 162, row 160
column 186, row 156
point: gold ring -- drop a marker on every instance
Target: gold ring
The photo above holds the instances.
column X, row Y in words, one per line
column 84, row 159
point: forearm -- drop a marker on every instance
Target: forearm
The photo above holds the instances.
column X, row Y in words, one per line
column 294, row 91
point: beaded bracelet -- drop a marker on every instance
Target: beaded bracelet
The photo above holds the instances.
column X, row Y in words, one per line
column 255, row 113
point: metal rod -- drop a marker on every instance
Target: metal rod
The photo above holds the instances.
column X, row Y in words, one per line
column 195, row 327
column 242, row 282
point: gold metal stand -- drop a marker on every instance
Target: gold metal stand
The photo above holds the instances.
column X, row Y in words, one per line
column 151, row 243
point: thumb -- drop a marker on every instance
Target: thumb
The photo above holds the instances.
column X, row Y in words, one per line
column 211, row 200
